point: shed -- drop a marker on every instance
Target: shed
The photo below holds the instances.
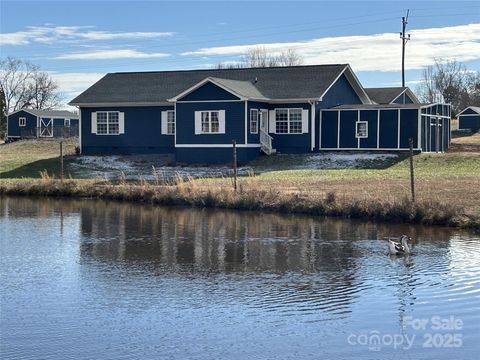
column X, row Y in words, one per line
column 32, row 123
column 469, row 119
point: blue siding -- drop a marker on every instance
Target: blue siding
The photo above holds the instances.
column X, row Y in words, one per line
column 347, row 129
column 340, row 93
column 388, row 129
column 292, row 143
column 469, row 122
column 408, row 99
column 234, row 123
column 408, row 127
column 142, row 132
column 30, row 127
column 329, row 129
column 371, row 117
column 209, row 91
column 214, row 155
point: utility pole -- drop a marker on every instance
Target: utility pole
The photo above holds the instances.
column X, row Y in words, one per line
column 405, row 38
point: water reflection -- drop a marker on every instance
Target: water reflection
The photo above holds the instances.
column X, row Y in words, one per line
column 221, row 280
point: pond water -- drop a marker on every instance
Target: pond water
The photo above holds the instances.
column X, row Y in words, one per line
column 105, row 280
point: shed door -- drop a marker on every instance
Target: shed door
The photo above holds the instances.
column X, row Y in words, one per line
column 436, row 135
column 46, row 127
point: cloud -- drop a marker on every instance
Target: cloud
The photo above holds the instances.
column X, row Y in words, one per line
column 110, row 54
column 51, row 34
column 378, row 52
column 75, row 82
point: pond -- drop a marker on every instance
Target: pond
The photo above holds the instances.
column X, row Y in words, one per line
column 105, row 280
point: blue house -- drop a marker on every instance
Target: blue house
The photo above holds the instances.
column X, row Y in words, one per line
column 469, row 119
column 197, row 114
column 31, row 123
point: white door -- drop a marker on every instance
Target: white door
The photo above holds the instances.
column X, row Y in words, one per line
column 46, row 127
column 264, row 120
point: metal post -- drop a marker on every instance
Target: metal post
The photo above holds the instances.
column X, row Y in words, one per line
column 412, row 178
column 61, row 160
column 234, row 165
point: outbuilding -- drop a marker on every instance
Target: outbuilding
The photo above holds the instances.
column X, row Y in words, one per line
column 32, row 123
column 469, row 119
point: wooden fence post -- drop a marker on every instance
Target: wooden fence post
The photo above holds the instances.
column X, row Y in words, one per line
column 61, row 160
column 234, row 165
column 412, row 178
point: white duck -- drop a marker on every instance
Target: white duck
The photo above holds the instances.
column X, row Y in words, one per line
column 399, row 248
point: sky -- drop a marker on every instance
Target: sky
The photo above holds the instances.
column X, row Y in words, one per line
column 79, row 42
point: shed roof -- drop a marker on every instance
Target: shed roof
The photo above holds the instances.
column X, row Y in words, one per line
column 290, row 82
column 474, row 108
column 386, row 95
column 378, row 106
column 50, row 113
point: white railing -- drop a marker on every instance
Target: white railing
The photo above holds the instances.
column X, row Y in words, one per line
column 266, row 142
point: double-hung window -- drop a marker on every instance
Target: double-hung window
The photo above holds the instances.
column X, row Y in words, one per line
column 170, row 122
column 108, row 122
column 361, row 129
column 22, row 121
column 210, row 122
column 288, row 121
column 254, row 121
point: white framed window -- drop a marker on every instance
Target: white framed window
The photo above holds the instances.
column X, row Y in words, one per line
column 22, row 121
column 66, row 123
column 108, row 123
column 288, row 121
column 361, row 129
column 170, row 122
column 210, row 122
column 254, row 114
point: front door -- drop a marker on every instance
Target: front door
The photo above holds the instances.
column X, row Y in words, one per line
column 264, row 121
column 46, row 127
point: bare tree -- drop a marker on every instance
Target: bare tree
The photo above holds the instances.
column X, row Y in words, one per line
column 43, row 92
column 25, row 86
column 14, row 82
column 258, row 56
column 451, row 82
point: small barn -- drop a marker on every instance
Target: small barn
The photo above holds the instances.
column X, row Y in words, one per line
column 32, row 123
column 469, row 119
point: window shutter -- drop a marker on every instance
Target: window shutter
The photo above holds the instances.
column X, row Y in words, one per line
column 121, row 123
column 164, row 123
column 94, row 122
column 221, row 121
column 304, row 121
column 198, row 122
column 272, row 122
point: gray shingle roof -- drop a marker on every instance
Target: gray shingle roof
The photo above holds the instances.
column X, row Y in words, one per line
column 244, row 88
column 52, row 113
column 378, row 106
column 294, row 82
column 384, row 95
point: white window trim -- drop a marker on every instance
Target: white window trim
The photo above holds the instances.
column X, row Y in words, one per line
column 288, row 120
column 356, row 129
column 22, row 123
column 209, row 132
column 256, row 120
column 174, row 122
column 108, row 127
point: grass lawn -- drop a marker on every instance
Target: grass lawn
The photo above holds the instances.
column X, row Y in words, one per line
column 449, row 178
